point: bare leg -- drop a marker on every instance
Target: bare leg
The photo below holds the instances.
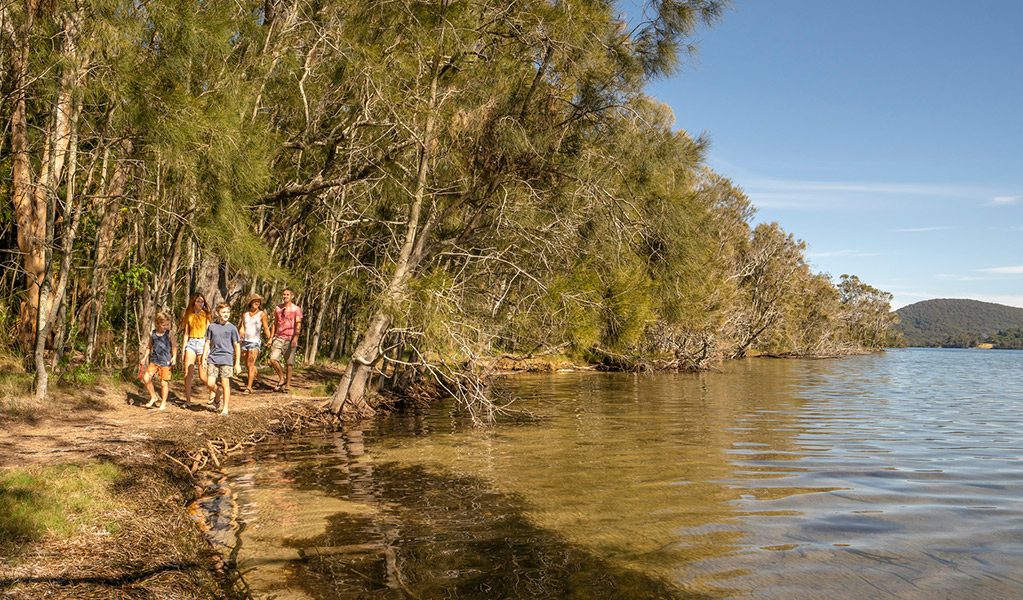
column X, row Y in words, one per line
column 250, row 364
column 190, row 359
column 226, row 381
column 202, row 372
column 211, row 385
column 287, row 380
column 280, row 374
column 148, row 380
column 164, row 390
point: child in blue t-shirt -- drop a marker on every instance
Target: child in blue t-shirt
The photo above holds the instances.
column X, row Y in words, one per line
column 159, row 357
column 223, row 354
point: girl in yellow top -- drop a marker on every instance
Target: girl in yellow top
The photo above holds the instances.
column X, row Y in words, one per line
column 193, row 325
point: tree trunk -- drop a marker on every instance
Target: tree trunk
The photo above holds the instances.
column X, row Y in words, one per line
column 45, row 284
column 351, row 392
column 124, row 330
column 314, row 344
column 339, row 328
column 32, row 199
column 29, row 235
column 59, row 333
column 105, row 237
column 62, row 139
column 190, row 270
column 72, row 219
column 216, row 281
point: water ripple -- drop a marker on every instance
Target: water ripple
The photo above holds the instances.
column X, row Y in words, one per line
column 894, row 475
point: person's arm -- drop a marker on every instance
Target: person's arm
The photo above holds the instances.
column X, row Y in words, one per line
column 241, row 326
column 174, row 351
column 149, row 349
column 273, row 328
column 184, row 342
column 298, row 329
column 206, row 351
column 266, row 326
column 237, row 357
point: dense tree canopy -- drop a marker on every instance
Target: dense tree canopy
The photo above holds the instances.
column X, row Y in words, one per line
column 442, row 181
column 955, row 323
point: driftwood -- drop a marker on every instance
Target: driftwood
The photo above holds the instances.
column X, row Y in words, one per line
column 214, row 451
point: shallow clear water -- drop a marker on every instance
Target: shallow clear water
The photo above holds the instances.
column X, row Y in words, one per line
column 895, row 475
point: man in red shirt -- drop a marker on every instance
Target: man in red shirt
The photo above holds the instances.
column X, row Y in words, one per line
column 284, row 336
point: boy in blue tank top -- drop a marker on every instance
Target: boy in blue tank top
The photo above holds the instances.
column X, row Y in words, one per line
column 160, row 356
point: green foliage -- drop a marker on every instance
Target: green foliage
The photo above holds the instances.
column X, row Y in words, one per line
column 58, row 501
column 490, row 176
column 867, row 312
column 132, row 279
column 15, row 385
column 955, row 323
column 81, row 374
column 1009, row 339
column 626, row 307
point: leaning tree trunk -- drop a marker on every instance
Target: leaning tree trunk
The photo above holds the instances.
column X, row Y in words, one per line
column 351, row 392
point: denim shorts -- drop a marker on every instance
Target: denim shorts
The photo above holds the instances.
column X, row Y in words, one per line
column 196, row 345
column 246, row 346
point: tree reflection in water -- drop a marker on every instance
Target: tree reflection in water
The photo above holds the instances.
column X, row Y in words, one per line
column 452, row 537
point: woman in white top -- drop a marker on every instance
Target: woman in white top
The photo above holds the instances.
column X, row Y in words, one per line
column 252, row 320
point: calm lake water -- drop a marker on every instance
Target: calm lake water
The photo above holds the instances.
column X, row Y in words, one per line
column 895, row 475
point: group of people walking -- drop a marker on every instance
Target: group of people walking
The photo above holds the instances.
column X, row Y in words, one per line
column 211, row 341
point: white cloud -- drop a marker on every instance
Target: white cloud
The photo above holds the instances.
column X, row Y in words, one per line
column 956, row 277
column 830, row 195
column 783, row 200
column 1016, row 270
column 923, row 229
column 1004, row 200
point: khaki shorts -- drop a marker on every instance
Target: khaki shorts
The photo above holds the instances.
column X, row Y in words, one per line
column 216, row 372
column 282, row 347
column 153, row 369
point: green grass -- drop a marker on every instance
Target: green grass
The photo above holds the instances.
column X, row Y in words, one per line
column 15, row 389
column 322, row 389
column 79, row 375
column 18, row 401
column 59, row 501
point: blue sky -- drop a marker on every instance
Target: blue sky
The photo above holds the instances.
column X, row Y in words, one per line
column 886, row 134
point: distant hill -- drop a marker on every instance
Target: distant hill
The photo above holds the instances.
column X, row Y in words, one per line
column 954, row 323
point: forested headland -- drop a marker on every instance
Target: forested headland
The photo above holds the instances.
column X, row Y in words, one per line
column 961, row 323
column 441, row 182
